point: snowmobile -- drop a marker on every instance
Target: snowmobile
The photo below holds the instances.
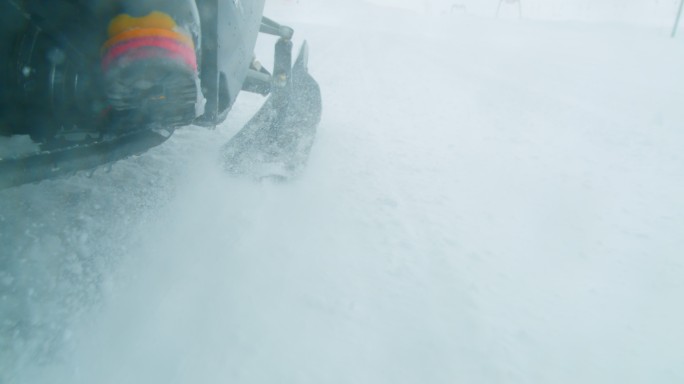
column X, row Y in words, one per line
column 88, row 82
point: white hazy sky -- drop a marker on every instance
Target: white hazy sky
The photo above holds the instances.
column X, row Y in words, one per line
column 654, row 12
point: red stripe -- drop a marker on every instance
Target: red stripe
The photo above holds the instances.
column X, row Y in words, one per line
column 162, row 47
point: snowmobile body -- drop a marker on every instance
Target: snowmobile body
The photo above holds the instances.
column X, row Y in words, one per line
column 51, row 82
column 51, row 53
column 229, row 33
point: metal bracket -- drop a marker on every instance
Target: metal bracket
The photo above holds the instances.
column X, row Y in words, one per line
column 270, row 27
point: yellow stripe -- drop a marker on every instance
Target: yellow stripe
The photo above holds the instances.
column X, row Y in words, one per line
column 155, row 19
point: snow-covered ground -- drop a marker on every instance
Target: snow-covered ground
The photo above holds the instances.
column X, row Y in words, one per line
column 488, row 201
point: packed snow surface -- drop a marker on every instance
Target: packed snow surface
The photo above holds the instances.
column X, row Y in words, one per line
column 488, row 201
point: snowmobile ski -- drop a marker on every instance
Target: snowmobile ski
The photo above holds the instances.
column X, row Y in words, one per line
column 64, row 161
column 275, row 144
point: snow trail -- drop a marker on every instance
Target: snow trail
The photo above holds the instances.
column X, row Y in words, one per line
column 487, row 201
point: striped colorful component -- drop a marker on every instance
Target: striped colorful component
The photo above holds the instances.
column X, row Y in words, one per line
column 153, row 36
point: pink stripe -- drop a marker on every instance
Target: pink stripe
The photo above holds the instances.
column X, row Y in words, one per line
column 136, row 48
